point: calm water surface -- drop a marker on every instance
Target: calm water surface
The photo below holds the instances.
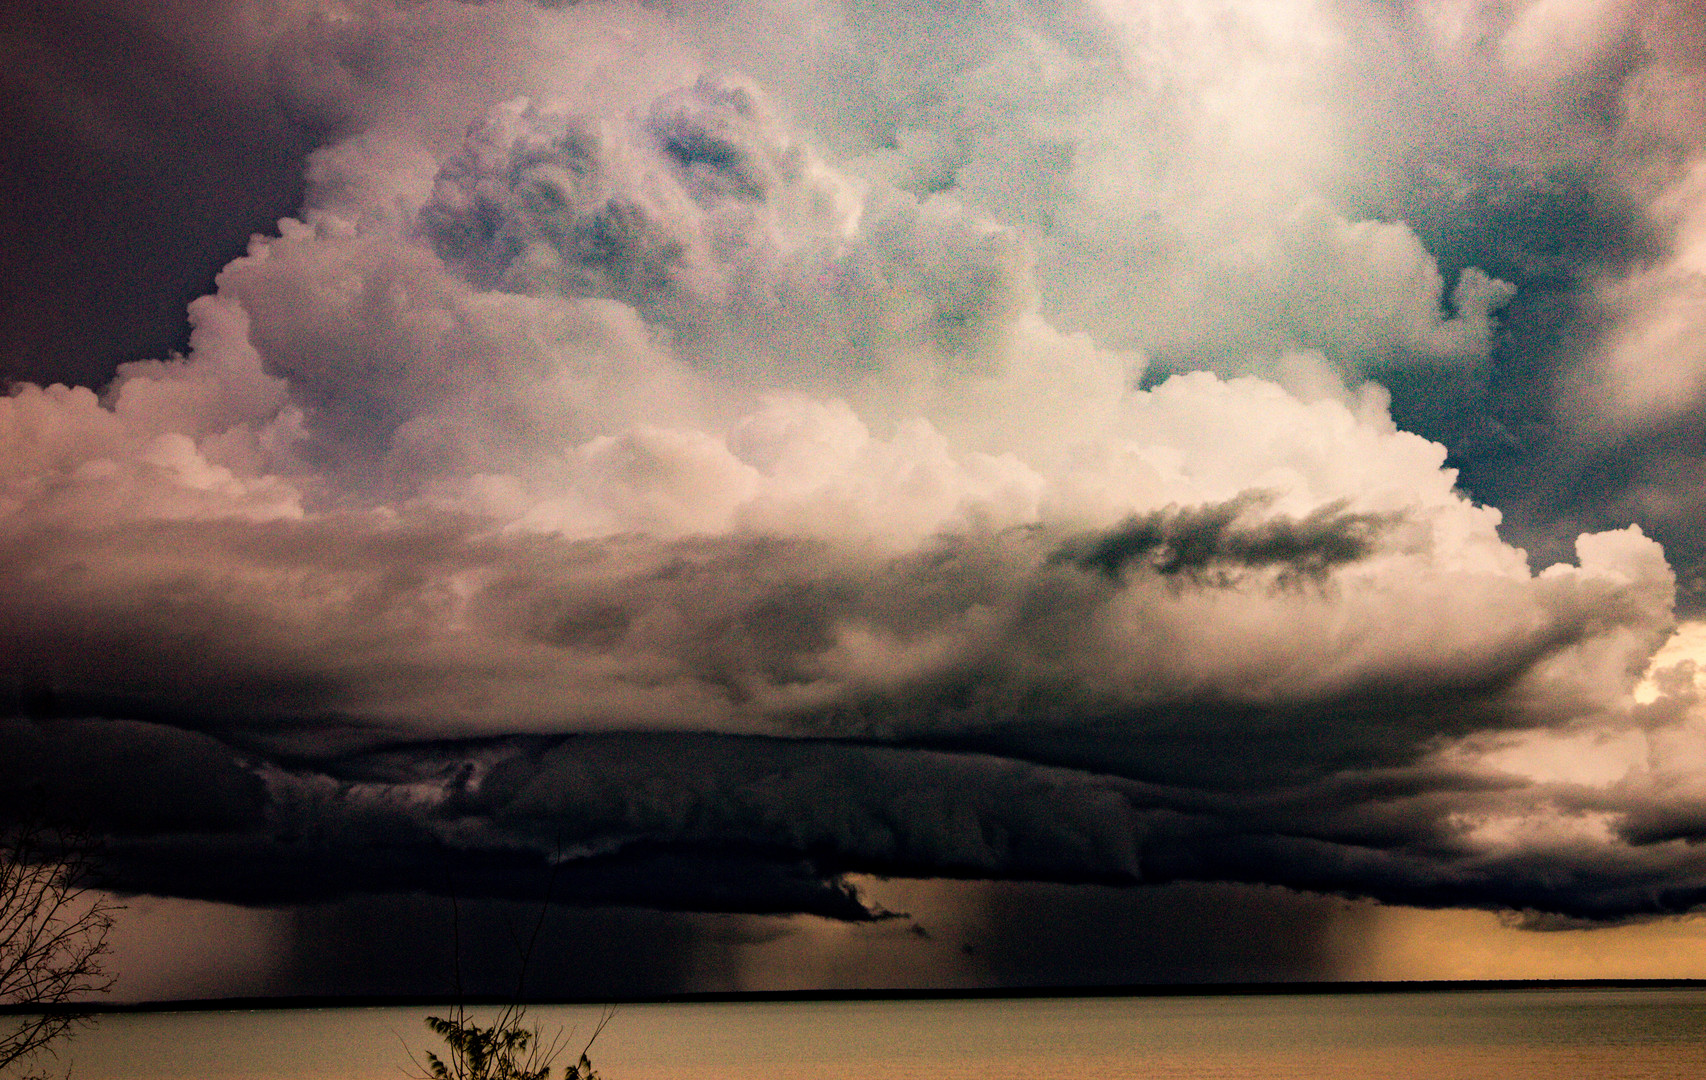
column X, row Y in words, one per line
column 1493, row 1035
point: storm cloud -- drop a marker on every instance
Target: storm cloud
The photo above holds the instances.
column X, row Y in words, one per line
column 701, row 454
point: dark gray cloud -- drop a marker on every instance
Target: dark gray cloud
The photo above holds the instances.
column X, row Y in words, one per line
column 734, row 824
column 279, row 635
column 1205, row 541
column 131, row 777
column 910, row 814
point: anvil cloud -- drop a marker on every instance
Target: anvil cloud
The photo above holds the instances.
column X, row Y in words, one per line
column 714, row 450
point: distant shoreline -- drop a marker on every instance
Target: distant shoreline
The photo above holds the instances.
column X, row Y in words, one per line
column 1249, row 989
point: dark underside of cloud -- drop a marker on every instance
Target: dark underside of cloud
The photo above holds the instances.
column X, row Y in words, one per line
column 766, row 826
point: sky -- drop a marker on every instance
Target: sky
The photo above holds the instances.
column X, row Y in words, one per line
column 848, row 494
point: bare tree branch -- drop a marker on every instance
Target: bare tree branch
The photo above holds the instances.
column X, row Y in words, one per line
column 53, row 937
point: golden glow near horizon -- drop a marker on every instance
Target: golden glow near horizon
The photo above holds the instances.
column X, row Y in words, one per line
column 1357, row 941
column 174, row 949
column 1415, row 944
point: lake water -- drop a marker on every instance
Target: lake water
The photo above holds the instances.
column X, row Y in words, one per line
column 1623, row 1034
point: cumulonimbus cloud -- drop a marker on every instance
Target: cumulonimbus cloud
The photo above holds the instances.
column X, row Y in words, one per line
column 714, row 487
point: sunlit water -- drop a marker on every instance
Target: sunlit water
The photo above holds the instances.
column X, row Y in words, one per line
column 1494, row 1035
